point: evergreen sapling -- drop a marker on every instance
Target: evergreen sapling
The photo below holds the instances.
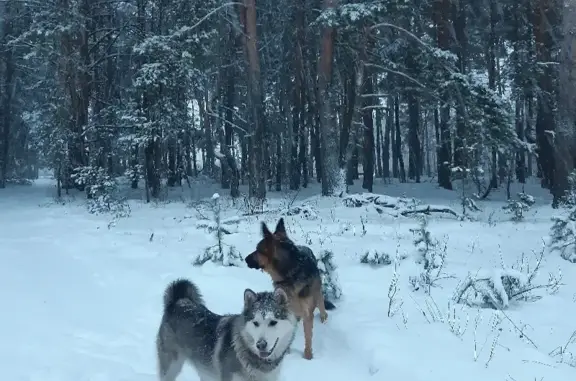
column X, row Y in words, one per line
column 519, row 206
column 563, row 230
column 330, row 284
column 431, row 255
column 220, row 252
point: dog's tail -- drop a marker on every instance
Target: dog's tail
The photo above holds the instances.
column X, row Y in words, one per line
column 328, row 305
column 181, row 289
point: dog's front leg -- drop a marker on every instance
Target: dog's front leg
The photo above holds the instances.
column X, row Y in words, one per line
column 308, row 321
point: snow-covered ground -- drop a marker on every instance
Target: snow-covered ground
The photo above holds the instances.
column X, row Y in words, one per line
column 81, row 297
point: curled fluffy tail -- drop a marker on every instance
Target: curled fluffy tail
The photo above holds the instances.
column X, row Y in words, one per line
column 328, row 305
column 181, row 289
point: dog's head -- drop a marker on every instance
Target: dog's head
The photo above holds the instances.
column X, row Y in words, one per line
column 269, row 324
column 272, row 250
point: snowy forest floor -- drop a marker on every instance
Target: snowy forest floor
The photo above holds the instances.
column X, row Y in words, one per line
column 81, row 296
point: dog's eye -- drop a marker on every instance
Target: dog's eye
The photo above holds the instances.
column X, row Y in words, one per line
column 256, row 324
column 272, row 323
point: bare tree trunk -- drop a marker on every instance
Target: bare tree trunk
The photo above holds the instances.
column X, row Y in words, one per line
column 173, row 176
column 544, row 20
column 398, row 141
column 529, row 106
column 388, row 142
column 233, row 173
column 368, row 118
column 427, row 146
column 259, row 141
column 391, row 130
column 519, row 39
column 347, row 135
column 328, row 127
column 6, row 91
column 303, row 141
column 443, row 35
column 565, row 138
column 194, row 154
column 520, row 156
column 415, row 151
column 379, row 118
column 459, row 25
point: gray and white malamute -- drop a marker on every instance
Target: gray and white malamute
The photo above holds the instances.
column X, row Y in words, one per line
column 250, row 345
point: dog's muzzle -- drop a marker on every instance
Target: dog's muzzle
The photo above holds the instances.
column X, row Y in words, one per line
column 262, row 347
column 252, row 262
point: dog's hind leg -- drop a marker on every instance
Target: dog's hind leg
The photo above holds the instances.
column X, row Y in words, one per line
column 225, row 375
column 319, row 301
column 321, row 306
column 169, row 365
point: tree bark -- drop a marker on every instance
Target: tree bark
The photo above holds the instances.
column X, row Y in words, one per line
column 443, row 35
column 544, row 20
column 368, row 119
column 6, row 91
column 328, row 126
column 565, row 137
column 259, row 140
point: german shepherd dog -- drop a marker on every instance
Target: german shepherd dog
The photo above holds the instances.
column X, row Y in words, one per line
column 294, row 269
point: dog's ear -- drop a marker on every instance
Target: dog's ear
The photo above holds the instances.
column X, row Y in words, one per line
column 280, row 296
column 249, row 297
column 280, row 231
column 266, row 233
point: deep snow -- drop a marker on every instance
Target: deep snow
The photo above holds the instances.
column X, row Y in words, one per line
column 81, row 298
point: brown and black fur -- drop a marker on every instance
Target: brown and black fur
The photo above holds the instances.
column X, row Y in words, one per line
column 294, row 269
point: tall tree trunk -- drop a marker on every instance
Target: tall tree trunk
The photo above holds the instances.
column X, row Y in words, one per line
column 296, row 131
column 415, row 151
column 233, row 174
column 298, row 96
column 565, row 138
column 443, row 35
column 398, row 141
column 379, row 118
column 392, row 131
column 206, row 123
column 427, row 146
column 259, row 141
column 315, row 145
column 279, row 160
column 459, row 26
column 328, row 126
column 173, row 174
column 389, row 141
column 520, row 156
column 349, row 104
column 137, row 170
column 544, row 20
column 303, row 141
column 368, row 119
column 529, row 105
column 519, row 41
column 6, row 91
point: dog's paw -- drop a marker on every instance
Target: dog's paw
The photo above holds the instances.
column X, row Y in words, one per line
column 323, row 317
column 308, row 354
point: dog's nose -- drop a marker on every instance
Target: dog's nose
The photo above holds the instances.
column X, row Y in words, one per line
column 261, row 345
column 251, row 261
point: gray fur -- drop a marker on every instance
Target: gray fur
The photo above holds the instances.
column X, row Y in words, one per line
column 220, row 347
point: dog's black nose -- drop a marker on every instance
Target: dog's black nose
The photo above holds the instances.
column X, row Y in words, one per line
column 251, row 261
column 261, row 345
